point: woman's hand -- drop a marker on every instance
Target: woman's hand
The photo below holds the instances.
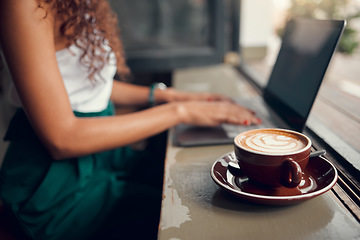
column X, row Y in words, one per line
column 208, row 109
column 204, row 113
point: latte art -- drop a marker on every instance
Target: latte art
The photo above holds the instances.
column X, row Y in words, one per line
column 271, row 141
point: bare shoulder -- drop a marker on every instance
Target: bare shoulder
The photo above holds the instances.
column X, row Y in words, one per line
column 24, row 12
column 23, row 22
column 9, row 8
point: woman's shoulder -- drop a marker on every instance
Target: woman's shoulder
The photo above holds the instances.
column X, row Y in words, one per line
column 27, row 6
column 18, row 13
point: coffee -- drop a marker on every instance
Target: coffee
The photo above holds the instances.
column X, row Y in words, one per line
column 272, row 157
column 271, row 141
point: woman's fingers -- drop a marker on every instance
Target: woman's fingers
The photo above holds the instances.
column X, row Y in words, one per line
column 215, row 113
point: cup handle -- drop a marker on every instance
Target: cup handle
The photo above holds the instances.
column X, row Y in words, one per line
column 292, row 173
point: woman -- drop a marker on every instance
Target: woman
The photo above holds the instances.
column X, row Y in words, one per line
column 68, row 173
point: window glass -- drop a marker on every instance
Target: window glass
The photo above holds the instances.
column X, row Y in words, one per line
column 163, row 23
column 335, row 116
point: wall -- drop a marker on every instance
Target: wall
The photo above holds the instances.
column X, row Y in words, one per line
column 255, row 27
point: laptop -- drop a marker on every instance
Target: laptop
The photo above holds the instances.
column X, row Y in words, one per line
column 305, row 53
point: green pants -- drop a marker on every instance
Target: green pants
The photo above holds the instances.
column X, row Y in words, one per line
column 109, row 195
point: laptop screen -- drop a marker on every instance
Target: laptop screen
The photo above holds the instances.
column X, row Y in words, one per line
column 305, row 53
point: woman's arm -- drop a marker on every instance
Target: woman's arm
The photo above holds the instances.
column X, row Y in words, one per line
column 127, row 94
column 30, row 53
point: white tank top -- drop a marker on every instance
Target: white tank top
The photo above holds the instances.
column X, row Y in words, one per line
column 84, row 95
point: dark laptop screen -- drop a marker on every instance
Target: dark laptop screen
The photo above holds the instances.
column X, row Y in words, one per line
column 307, row 47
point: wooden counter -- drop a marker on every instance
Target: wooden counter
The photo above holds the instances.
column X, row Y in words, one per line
column 194, row 207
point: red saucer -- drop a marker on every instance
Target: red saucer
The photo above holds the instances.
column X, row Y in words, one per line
column 319, row 177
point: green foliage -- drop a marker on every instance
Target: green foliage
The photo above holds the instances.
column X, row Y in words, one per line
column 348, row 43
column 329, row 9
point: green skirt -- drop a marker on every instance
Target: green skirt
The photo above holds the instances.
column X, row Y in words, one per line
column 105, row 195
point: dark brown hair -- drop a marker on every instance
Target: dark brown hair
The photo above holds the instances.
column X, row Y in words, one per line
column 91, row 24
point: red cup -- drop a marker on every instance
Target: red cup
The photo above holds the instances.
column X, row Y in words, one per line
column 273, row 157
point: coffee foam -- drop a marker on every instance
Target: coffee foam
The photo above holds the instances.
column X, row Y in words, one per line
column 271, row 141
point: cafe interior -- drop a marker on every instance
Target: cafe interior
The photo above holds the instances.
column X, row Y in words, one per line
column 240, row 48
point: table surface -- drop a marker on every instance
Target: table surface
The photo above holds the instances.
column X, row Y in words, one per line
column 194, row 207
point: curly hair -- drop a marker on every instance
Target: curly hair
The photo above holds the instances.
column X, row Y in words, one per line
column 91, row 25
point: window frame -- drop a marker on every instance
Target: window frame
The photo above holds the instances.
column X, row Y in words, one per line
column 167, row 60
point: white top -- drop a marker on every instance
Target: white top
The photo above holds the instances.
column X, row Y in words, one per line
column 85, row 95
